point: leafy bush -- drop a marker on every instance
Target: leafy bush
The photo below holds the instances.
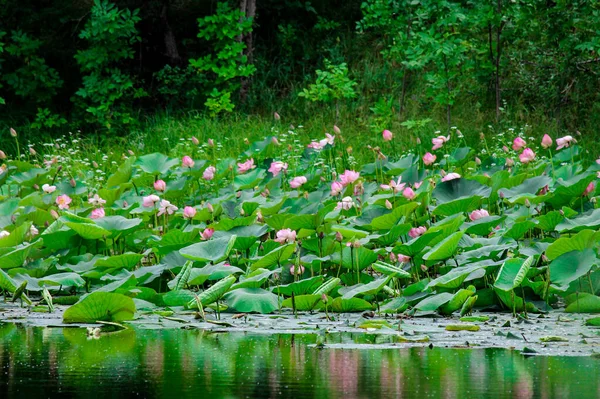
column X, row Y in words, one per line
column 220, row 70
column 108, row 91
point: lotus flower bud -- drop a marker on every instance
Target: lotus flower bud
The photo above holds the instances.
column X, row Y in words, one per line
column 95, row 164
column 275, row 141
column 246, row 141
column 276, row 116
column 336, row 130
column 339, row 237
column 210, row 207
column 2, row 155
column 195, row 141
column 324, row 298
column 388, row 204
column 418, row 141
column 131, row 153
column 54, row 214
column 13, row 132
column 72, row 182
column 32, row 151
column 211, row 143
column 423, row 268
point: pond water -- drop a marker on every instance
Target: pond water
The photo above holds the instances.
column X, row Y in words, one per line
column 52, row 362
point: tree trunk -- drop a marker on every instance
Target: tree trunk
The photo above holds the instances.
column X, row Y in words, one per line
column 170, row 43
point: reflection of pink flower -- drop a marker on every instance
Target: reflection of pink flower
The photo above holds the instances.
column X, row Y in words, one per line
column 150, row 200
column 98, row 213
column 246, row 166
column 478, row 214
column 527, row 155
column 429, row 158
column 336, row 188
column 286, row 235
column 207, row 234
column 209, row 173
column 589, row 189
column 298, row 181
column 451, row 176
column 417, row 231
column 299, row 271
column 409, row 194
column 349, row 177
column 518, row 143
column 187, row 162
column 387, row 135
column 160, row 185
column 189, row 212
column 63, row 201
column 564, row 142
column 546, row 141
column 277, row 167
column 439, row 142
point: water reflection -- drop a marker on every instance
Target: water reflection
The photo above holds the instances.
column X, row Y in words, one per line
column 39, row 362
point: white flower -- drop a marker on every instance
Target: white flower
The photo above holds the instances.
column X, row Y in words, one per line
column 346, row 204
column 4, row 233
column 96, row 200
column 48, row 189
column 166, row 208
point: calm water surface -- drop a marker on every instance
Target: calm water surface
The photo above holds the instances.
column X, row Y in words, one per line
column 41, row 362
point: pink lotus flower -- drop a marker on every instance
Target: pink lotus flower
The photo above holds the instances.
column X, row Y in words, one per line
column 150, row 200
column 315, row 145
column 589, row 189
column 246, row 166
column 546, row 141
column 505, row 148
column 207, row 234
column 387, row 135
column 439, row 142
column 33, row 231
column 564, row 142
column 63, row 201
column 518, row 143
column 329, row 139
column 187, row 162
column 544, row 190
column 527, row 155
column 349, row 177
column 160, row 185
column 96, row 200
column 336, row 188
column 429, row 158
column 286, row 236
column 403, row 258
column 277, row 167
column 209, row 173
column 48, row 189
column 346, row 204
column 409, row 194
column 299, row 271
column 417, row 231
column 395, row 186
column 189, row 212
column 97, row 213
column 417, row 185
column 478, row 214
column 298, row 181
column 451, row 176
column 166, row 208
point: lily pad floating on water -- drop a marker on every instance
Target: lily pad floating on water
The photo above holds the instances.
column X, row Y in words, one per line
column 462, row 327
column 101, row 306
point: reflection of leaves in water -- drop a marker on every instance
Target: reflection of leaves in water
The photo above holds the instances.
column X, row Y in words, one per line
column 84, row 351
